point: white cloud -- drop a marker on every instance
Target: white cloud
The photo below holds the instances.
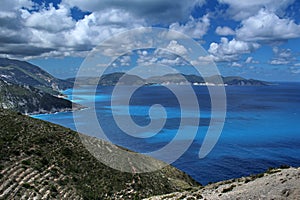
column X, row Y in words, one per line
column 51, row 31
column 125, row 60
column 224, row 31
column 194, row 28
column 230, row 50
column 177, row 48
column 49, row 19
column 236, row 64
column 267, row 27
column 173, row 62
column 279, row 62
column 240, row 10
column 97, row 26
column 249, row 60
column 282, row 56
column 13, row 5
column 173, row 55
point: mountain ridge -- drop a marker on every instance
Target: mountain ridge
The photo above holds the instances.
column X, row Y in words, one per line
column 123, row 79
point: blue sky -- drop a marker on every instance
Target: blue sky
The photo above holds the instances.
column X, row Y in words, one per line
column 254, row 39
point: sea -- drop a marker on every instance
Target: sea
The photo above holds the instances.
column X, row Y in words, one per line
column 261, row 129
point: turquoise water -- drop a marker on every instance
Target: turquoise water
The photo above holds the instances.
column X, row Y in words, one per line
column 262, row 128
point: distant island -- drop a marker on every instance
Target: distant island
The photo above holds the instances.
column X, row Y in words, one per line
column 168, row 79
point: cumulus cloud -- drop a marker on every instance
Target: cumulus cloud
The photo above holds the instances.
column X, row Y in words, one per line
column 224, row 31
column 249, row 60
column 172, row 55
column 240, row 10
column 267, row 27
column 177, row 48
column 97, row 26
column 236, row 64
column 124, row 60
column 49, row 19
column 154, row 11
column 230, row 50
column 194, row 28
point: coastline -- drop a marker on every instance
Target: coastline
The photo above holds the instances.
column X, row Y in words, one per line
column 75, row 106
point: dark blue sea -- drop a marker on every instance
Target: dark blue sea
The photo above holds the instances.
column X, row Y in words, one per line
column 262, row 127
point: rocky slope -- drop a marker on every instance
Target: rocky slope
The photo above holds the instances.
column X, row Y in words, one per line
column 273, row 184
column 40, row 160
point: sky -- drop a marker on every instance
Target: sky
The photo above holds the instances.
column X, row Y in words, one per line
column 255, row 39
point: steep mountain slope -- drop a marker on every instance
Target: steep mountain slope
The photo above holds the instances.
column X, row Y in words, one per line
column 29, row 100
column 46, row 161
column 24, row 73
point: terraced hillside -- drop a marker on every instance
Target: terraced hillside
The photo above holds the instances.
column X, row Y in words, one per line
column 40, row 160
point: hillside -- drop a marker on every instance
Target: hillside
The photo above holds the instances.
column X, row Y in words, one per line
column 46, row 161
column 24, row 73
column 29, row 100
column 113, row 79
column 273, row 184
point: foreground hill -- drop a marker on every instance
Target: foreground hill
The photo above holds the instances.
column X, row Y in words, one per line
column 24, row 73
column 273, row 184
column 29, row 100
column 40, row 160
